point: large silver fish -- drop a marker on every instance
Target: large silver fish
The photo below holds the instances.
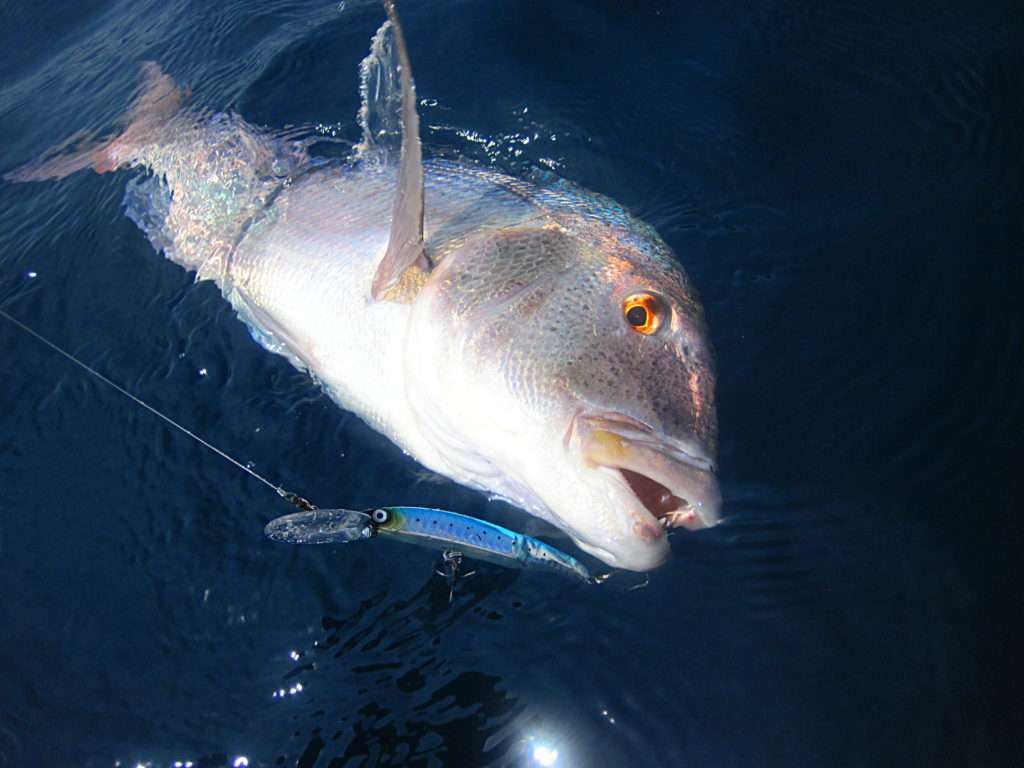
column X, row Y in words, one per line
column 532, row 340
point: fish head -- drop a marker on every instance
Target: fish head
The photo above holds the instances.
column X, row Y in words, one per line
column 572, row 374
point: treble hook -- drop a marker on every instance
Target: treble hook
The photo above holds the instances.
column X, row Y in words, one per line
column 451, row 559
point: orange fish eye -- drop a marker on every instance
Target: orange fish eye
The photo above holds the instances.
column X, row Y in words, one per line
column 643, row 312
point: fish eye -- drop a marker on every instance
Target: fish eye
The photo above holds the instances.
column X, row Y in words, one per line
column 643, row 312
column 380, row 515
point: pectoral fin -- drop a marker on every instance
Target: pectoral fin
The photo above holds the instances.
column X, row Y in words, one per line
column 405, row 263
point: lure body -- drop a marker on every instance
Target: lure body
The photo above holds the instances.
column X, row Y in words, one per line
column 427, row 527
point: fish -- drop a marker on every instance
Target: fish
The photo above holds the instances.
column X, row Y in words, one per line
column 520, row 336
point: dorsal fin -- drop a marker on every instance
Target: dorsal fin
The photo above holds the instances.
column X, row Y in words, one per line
column 380, row 99
column 405, row 262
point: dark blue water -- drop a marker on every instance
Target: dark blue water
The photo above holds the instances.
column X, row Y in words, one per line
column 844, row 183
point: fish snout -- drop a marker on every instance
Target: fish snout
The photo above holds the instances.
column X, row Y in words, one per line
column 673, row 480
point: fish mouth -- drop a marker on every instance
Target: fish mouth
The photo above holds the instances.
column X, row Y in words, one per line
column 674, row 481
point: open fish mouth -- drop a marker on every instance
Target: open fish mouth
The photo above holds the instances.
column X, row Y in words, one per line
column 674, row 482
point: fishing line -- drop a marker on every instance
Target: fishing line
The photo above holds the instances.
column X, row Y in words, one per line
column 295, row 499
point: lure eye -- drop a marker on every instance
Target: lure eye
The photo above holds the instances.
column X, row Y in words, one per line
column 380, row 515
column 643, row 312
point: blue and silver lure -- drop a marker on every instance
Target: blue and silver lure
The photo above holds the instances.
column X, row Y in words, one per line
column 434, row 528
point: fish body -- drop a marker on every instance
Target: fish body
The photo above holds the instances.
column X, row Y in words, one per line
column 535, row 342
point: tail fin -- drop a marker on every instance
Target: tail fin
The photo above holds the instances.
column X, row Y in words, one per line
column 159, row 99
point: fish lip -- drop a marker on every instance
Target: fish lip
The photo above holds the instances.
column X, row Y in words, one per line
column 651, row 465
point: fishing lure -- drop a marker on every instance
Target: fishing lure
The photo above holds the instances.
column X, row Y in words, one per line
column 454, row 534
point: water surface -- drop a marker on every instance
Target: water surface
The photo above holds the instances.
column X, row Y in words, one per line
column 843, row 182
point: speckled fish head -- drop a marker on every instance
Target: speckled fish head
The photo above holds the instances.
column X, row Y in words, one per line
column 570, row 371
